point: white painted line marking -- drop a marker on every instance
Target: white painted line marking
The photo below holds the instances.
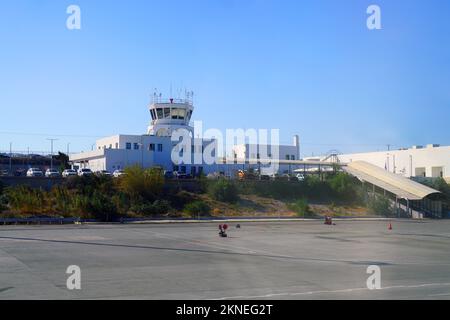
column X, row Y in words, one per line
column 271, row 295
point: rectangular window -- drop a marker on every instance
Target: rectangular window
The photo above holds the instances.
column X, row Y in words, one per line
column 136, row 146
column 166, row 112
column 292, row 157
column 159, row 113
column 178, row 113
column 287, row 157
column 151, row 147
column 128, row 146
column 160, row 147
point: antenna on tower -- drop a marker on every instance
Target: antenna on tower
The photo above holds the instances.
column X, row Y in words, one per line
column 154, row 99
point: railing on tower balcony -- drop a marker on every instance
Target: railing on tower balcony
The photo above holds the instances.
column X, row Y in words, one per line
column 157, row 99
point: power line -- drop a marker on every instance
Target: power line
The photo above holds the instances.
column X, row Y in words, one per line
column 50, row 134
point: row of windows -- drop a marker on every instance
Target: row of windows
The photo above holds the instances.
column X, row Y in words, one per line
column 170, row 113
column 151, row 146
column 194, row 170
column 257, row 156
column 288, row 157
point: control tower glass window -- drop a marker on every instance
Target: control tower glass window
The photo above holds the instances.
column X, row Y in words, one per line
column 159, row 113
column 166, row 112
column 152, row 113
column 178, row 113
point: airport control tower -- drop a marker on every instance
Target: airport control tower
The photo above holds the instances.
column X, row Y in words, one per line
column 170, row 114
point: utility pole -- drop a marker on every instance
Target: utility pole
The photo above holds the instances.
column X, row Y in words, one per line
column 51, row 155
column 10, row 158
column 410, row 166
column 68, row 145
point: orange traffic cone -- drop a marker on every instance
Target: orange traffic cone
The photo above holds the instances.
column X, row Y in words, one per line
column 390, row 226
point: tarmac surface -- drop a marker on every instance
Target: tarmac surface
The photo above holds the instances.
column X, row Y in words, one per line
column 261, row 260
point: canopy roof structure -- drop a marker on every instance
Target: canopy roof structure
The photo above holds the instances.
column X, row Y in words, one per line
column 402, row 187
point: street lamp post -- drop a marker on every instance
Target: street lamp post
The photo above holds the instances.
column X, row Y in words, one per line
column 51, row 155
column 410, row 166
column 10, row 158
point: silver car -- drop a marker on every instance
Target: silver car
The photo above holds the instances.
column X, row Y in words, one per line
column 35, row 172
column 104, row 173
column 52, row 173
column 118, row 173
column 84, row 172
column 69, row 173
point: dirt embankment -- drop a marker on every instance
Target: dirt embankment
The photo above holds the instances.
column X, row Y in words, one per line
column 256, row 206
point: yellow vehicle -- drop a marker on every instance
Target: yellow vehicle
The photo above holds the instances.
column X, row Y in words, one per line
column 246, row 175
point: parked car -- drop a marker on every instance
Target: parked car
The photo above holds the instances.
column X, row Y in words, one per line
column 20, row 173
column 84, row 172
column 118, row 173
column 4, row 173
column 35, row 172
column 69, row 173
column 179, row 175
column 52, row 173
column 104, row 173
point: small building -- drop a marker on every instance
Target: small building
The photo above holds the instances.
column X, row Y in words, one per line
column 431, row 161
column 157, row 147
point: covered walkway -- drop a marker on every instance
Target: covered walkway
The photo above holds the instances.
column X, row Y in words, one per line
column 418, row 197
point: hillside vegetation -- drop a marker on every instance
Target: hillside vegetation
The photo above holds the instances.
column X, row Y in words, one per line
column 144, row 193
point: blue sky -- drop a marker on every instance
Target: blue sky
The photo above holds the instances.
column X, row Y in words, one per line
column 306, row 67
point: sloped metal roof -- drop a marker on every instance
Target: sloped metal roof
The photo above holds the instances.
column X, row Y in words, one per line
column 396, row 184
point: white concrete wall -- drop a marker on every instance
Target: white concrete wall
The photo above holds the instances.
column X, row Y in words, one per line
column 107, row 157
column 405, row 162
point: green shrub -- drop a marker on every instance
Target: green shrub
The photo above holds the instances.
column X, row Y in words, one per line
column 142, row 184
column 197, row 208
column 25, row 200
column 3, row 202
column 224, row 190
column 301, row 208
column 380, row 205
column 344, row 187
column 179, row 199
column 60, row 199
column 101, row 207
column 158, row 207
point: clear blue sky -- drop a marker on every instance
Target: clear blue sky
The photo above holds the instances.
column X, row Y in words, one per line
column 306, row 67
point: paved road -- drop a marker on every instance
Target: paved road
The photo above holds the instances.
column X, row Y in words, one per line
column 297, row 260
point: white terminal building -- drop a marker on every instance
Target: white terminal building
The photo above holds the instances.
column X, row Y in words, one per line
column 156, row 146
column 168, row 115
column 430, row 161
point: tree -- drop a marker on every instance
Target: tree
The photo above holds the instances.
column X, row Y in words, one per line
column 142, row 184
column 344, row 186
column 224, row 190
column 63, row 160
